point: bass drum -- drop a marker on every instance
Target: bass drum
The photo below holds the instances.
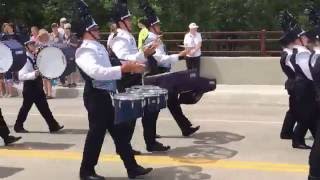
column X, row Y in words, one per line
column 51, row 62
column 12, row 56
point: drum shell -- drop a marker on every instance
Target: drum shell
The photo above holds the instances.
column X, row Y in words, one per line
column 163, row 101
column 18, row 54
column 127, row 110
column 152, row 103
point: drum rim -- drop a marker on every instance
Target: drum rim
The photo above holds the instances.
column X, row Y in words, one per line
column 38, row 61
column 128, row 96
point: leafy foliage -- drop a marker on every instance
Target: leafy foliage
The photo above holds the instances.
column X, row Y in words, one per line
column 175, row 15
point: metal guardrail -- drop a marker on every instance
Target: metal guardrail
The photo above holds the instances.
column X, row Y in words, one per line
column 232, row 43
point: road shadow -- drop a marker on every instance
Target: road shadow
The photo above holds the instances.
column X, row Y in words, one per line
column 216, row 138
column 38, row 146
column 173, row 173
column 201, row 154
column 62, row 132
column 9, row 171
column 205, row 148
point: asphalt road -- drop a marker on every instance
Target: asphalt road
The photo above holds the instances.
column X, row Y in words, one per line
column 238, row 140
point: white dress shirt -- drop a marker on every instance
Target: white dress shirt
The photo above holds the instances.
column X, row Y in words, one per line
column 289, row 55
column 161, row 56
column 125, row 47
column 93, row 59
column 110, row 37
column 27, row 72
column 302, row 60
column 192, row 41
column 315, row 56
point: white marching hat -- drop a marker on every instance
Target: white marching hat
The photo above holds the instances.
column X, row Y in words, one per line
column 193, row 26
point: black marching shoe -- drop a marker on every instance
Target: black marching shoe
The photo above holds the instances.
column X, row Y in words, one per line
column 56, row 128
column 11, row 139
column 158, row 136
column 91, row 176
column 285, row 136
column 20, row 129
column 134, row 152
column 138, row 171
column 190, row 131
column 158, row 147
column 300, row 146
column 313, row 178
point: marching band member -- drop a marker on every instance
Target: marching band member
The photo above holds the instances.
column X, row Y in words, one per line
column 164, row 61
column 124, row 47
column 100, row 83
column 303, row 86
column 5, row 132
column 286, row 42
column 33, row 93
column 314, row 36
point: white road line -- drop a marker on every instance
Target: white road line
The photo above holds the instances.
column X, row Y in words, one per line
column 170, row 119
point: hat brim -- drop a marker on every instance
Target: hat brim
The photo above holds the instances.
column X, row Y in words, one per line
column 193, row 27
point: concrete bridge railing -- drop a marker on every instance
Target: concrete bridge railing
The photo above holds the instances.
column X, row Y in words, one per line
column 240, row 70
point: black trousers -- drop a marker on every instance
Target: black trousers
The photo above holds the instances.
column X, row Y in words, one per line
column 306, row 110
column 33, row 94
column 149, row 120
column 193, row 63
column 314, row 158
column 4, row 130
column 290, row 119
column 176, row 111
column 149, row 124
column 101, row 118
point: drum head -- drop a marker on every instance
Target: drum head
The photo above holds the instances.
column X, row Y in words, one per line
column 51, row 62
column 6, row 58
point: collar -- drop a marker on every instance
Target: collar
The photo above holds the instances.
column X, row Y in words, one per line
column 29, row 54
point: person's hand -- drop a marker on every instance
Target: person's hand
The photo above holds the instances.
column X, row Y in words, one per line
column 184, row 53
column 37, row 73
column 149, row 51
column 132, row 67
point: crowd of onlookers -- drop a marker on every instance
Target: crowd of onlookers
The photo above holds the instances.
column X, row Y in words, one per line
column 60, row 35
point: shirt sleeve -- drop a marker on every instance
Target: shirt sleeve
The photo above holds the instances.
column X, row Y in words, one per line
column 121, row 48
column 87, row 60
column 165, row 60
column 26, row 74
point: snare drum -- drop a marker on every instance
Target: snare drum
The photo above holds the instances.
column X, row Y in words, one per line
column 162, row 93
column 51, row 62
column 12, row 56
column 151, row 98
column 128, row 107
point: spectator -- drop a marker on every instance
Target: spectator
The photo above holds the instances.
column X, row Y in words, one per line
column 63, row 21
column 7, row 34
column 56, row 38
column 193, row 43
column 144, row 32
column 2, row 85
column 34, row 33
column 44, row 39
column 72, row 42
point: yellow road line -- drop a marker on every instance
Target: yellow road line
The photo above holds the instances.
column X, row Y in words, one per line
column 162, row 160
